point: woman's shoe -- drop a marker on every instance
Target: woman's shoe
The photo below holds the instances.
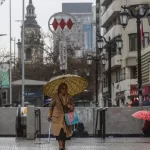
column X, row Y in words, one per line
column 61, row 149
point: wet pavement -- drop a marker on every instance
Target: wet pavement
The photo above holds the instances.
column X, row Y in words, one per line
column 77, row 144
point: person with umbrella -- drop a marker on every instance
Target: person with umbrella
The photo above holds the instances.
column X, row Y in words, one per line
column 144, row 115
column 146, row 129
column 61, row 89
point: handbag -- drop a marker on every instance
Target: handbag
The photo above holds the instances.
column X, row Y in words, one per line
column 71, row 118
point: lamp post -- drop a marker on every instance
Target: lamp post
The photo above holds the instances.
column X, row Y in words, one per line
column 99, row 57
column 135, row 12
column 22, row 54
column 10, row 62
column 14, row 40
column 98, row 32
column 118, row 41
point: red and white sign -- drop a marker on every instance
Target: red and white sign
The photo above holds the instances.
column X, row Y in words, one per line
column 133, row 90
column 62, row 24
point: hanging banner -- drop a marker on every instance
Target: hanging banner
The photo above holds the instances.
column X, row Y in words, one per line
column 4, row 75
column 63, row 55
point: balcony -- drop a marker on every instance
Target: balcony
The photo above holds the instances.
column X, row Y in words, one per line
column 105, row 2
column 125, row 85
column 115, row 62
column 111, row 13
column 131, row 61
column 113, row 32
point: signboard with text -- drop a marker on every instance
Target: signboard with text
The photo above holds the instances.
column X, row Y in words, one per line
column 63, row 55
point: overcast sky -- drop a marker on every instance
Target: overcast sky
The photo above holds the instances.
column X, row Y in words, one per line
column 44, row 9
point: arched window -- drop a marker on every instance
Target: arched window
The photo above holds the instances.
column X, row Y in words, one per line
column 28, row 54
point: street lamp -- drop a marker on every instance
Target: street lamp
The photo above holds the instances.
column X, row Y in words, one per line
column 14, row 40
column 2, row 1
column 124, row 17
column 3, row 34
column 118, row 41
column 96, row 59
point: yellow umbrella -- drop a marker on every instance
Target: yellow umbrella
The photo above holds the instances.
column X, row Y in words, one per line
column 76, row 84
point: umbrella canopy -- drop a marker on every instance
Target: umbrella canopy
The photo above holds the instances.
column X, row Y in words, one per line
column 144, row 115
column 76, row 84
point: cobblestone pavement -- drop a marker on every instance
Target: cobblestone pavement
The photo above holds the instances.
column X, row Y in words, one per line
column 77, row 144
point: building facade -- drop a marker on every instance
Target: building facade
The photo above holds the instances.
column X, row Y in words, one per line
column 146, row 73
column 82, row 39
column 33, row 46
column 124, row 62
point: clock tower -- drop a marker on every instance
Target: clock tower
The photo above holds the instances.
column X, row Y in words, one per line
column 33, row 46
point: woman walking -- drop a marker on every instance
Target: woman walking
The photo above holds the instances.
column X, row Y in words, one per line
column 61, row 103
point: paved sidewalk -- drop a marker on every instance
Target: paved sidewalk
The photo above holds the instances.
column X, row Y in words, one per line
column 77, row 144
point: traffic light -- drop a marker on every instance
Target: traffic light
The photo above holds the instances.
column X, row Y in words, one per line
column 4, row 94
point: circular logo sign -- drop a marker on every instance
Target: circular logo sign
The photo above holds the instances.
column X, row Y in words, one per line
column 62, row 24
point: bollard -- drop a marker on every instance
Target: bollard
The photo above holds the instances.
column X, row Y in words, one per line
column 19, row 132
column 102, row 131
column 38, row 124
column 104, row 122
column 101, row 123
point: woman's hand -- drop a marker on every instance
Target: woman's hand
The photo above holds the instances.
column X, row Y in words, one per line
column 49, row 119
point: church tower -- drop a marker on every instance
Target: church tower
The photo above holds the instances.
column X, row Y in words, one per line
column 33, row 46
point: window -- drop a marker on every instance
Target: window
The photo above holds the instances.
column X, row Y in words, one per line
column 28, row 54
column 105, row 81
column 30, row 11
column 133, row 72
column 133, row 42
column 145, row 40
column 122, row 77
column 118, row 74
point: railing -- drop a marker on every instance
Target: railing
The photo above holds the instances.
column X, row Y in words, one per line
column 100, row 115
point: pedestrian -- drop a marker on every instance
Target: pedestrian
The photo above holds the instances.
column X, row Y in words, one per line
column 134, row 102
column 146, row 129
column 61, row 103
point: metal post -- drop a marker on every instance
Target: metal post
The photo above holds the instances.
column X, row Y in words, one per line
column 23, row 71
column 97, row 51
column 39, row 124
column 104, row 124
column 101, row 122
column 10, row 65
column 109, row 76
column 139, row 61
column 14, row 53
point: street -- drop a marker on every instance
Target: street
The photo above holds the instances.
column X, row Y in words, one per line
column 77, row 144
